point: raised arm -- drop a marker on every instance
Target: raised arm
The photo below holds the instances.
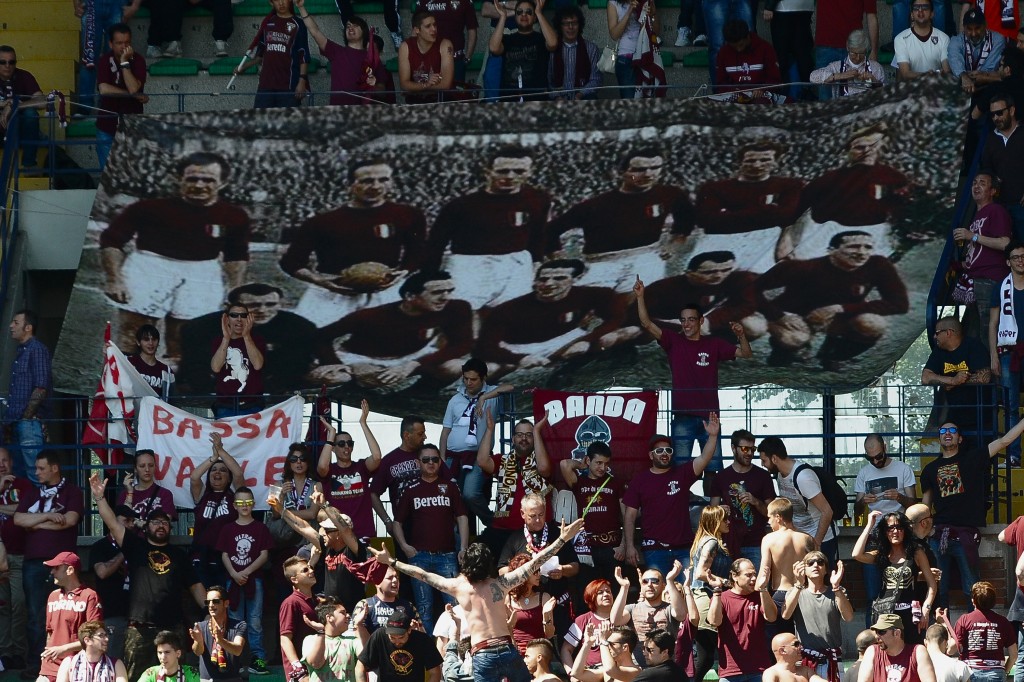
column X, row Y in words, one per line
column 373, row 461
column 543, row 461
column 675, row 597
column 860, row 552
column 618, row 615
column 518, row 576
column 297, row 524
column 483, row 451
column 323, row 465
column 638, row 288
column 98, row 487
column 319, row 38
column 446, row 585
column 1006, row 439
column 237, row 477
column 713, row 427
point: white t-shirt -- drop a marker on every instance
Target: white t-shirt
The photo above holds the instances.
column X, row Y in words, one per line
column 949, row 669
column 805, row 515
column 922, row 55
column 873, row 481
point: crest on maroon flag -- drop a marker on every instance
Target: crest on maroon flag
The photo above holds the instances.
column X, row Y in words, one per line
column 625, row 421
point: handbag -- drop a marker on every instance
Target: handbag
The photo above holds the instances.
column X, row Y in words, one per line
column 606, row 64
column 882, row 606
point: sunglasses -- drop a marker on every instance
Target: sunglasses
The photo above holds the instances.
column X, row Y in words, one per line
column 293, row 460
column 651, row 581
column 889, row 529
column 745, row 449
column 948, row 429
column 877, row 458
column 663, row 451
column 816, row 562
column 244, row 503
column 8, row 62
column 341, row 443
column 237, row 316
column 212, row 601
column 524, row 12
column 430, row 460
column 992, row 112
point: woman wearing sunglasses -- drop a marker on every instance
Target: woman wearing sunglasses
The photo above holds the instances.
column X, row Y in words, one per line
column 901, row 558
column 296, row 488
column 710, row 558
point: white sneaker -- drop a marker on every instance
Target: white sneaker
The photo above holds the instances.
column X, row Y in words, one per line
column 154, row 52
column 173, row 49
column 700, row 41
column 683, row 39
column 220, row 48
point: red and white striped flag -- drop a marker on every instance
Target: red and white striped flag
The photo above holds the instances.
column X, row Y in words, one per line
column 112, row 413
column 647, row 65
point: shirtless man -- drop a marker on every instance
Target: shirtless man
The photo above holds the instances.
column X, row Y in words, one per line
column 482, row 598
column 780, row 550
column 788, row 667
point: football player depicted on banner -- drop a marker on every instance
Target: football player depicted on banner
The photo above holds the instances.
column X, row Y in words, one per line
column 363, row 249
column 565, row 321
column 182, row 246
column 652, row 210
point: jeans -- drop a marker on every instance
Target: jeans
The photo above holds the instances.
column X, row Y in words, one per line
column 794, row 44
column 751, row 677
column 223, row 411
column 475, row 487
column 12, row 610
column 872, row 588
column 991, row 675
column 625, row 76
column 28, row 443
column 968, row 573
column 38, row 584
column 284, row 99
column 1010, row 381
column 104, row 141
column 1018, row 668
column 830, row 548
column 443, row 564
column 492, row 76
column 498, row 663
column 250, row 609
column 716, row 13
column 685, row 430
column 661, row 559
column 166, row 17
column 139, row 652
column 99, row 15
column 691, row 15
column 1016, row 212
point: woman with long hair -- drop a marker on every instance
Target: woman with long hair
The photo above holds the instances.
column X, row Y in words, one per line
column 530, row 612
column 710, row 557
column 215, row 506
column 902, row 559
column 141, row 494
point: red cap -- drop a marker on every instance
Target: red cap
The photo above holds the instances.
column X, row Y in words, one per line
column 65, row 559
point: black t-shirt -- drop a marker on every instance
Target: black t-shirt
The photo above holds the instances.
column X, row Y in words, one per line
column 159, row 574
column 524, row 64
column 970, row 356
column 663, row 672
column 208, row 670
column 405, row 663
column 378, row 611
column 112, row 590
column 959, row 486
column 336, row 579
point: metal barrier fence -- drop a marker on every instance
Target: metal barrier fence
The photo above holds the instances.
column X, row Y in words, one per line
column 827, row 429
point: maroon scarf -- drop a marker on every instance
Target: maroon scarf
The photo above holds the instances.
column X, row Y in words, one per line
column 582, row 65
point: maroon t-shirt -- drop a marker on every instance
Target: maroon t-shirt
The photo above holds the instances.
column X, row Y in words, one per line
column 243, row 544
column 746, row 525
column 46, row 544
column 482, row 223
column 22, row 84
column 145, row 501
column 694, row 366
column 756, row 65
column 293, row 608
column 391, row 234
column 836, row 18
column 283, row 43
column 982, row 261
column 742, row 640
column 213, row 511
column 153, row 374
column 982, row 637
column 348, row 491
column 603, row 217
column 664, row 504
column 348, row 74
column 427, row 512
column 732, row 206
column 239, row 379
column 108, row 72
column 13, row 536
column 399, row 471
column 604, row 515
column 1014, row 535
column 454, row 17
column 200, row 232
column 422, row 65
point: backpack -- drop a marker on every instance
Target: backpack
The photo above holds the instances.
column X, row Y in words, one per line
column 834, row 492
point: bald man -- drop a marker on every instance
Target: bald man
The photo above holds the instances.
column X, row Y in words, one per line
column 788, row 666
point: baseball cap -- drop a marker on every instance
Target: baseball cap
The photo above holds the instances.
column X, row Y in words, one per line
column 65, row 559
column 157, row 514
column 399, row 621
column 327, row 524
column 974, row 17
column 888, row 621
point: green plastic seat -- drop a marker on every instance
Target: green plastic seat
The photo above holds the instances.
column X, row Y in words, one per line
column 175, row 67
column 696, row 59
column 81, row 129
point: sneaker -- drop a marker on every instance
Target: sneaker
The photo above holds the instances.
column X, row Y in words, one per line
column 700, row 41
column 683, row 39
column 396, row 38
column 220, row 48
column 258, row 667
column 154, row 52
column 173, row 49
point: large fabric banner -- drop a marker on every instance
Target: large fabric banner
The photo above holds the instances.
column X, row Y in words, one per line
column 623, row 421
column 378, row 248
column 258, row 442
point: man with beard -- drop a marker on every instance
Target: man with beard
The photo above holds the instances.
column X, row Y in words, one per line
column 158, row 572
column 891, row 658
column 830, row 295
column 368, row 231
column 1004, row 156
column 746, row 490
column 974, row 55
column 614, row 255
column 92, row 661
column 219, row 640
column 490, row 239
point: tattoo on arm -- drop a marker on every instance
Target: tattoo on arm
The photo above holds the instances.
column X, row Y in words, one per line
column 496, row 594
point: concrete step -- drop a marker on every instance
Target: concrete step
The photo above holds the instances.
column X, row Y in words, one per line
column 47, row 45
column 37, row 15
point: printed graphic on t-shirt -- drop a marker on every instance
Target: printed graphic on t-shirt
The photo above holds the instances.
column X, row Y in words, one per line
column 880, row 485
column 950, row 482
column 735, row 490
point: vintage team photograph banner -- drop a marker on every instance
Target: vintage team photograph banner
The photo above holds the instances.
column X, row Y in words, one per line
column 817, row 227
column 258, row 442
column 624, row 421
